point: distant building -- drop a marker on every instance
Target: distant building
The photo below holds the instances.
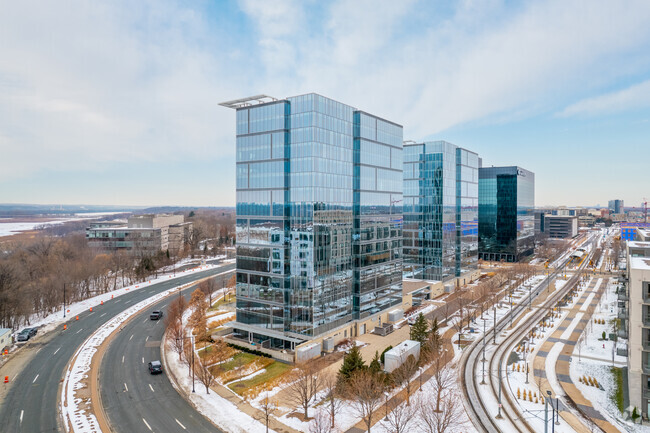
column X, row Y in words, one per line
column 506, row 224
column 144, row 234
column 586, row 221
column 616, row 206
column 440, row 210
column 561, row 227
column 629, row 230
column 539, row 221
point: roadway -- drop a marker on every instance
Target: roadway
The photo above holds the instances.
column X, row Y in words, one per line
column 135, row 400
column 31, row 403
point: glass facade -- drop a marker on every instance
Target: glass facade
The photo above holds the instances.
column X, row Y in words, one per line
column 440, row 210
column 506, row 213
column 318, row 218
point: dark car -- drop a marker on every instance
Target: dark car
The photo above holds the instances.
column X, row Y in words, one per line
column 23, row 335
column 155, row 367
column 32, row 331
column 156, row 315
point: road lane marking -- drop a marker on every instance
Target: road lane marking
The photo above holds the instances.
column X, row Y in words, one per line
column 130, row 337
column 79, row 331
column 146, row 339
column 151, row 387
column 147, row 424
column 56, row 351
column 15, row 376
column 163, row 306
column 33, row 381
column 126, row 388
column 21, row 416
column 143, row 359
column 103, row 314
column 179, row 423
column 122, row 359
column 146, row 320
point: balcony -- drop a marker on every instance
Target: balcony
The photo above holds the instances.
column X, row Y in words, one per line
column 645, row 368
column 622, row 314
column 646, row 392
column 622, row 333
column 646, row 320
column 622, row 295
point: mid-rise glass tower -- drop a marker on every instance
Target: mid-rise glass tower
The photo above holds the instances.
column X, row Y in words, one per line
column 440, row 210
column 506, row 213
column 319, row 217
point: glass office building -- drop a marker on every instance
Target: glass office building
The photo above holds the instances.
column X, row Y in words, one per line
column 506, row 213
column 319, row 217
column 440, row 210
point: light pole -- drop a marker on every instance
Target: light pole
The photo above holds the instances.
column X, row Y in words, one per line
column 64, row 300
column 546, row 412
column 494, row 341
column 421, row 372
column 483, row 360
column 192, row 343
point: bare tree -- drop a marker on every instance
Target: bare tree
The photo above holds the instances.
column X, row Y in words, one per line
column 268, row 406
column 176, row 333
column 366, row 394
column 333, row 400
column 304, row 387
column 441, row 416
column 401, row 418
column 203, row 374
column 443, row 380
column 320, row 423
column 403, row 376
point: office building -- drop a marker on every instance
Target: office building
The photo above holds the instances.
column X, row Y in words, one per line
column 616, row 206
column 629, row 230
column 141, row 234
column 561, row 227
column 506, row 223
column 319, row 218
column 634, row 315
column 440, row 210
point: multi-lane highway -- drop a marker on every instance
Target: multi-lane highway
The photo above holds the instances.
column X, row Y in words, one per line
column 135, row 400
column 31, row 405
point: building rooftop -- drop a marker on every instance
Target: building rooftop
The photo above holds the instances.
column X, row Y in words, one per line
column 638, row 244
column 640, row 263
column 248, row 101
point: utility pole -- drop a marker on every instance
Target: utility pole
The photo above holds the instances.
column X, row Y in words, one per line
column 499, row 413
column 546, row 413
column 494, row 329
column 64, row 300
column 192, row 343
column 483, row 361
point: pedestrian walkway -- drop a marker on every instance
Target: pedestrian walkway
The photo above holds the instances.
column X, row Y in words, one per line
column 563, row 341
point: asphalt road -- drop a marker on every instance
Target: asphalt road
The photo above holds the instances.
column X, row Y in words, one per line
column 31, row 405
column 133, row 399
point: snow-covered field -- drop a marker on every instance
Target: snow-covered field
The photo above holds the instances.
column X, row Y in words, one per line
column 13, row 228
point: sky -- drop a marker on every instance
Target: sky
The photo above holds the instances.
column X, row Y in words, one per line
column 116, row 103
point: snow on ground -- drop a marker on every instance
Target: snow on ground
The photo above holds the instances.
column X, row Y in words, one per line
column 10, row 229
column 74, row 407
column 221, row 411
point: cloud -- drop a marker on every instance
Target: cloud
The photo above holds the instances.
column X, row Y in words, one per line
column 633, row 97
column 86, row 84
column 433, row 69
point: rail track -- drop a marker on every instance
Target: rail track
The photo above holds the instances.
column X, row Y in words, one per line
column 477, row 410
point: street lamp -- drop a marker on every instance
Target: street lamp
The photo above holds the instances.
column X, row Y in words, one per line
column 64, row 300
column 192, row 343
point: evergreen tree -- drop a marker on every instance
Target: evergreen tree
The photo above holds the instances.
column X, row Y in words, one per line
column 375, row 366
column 351, row 363
column 420, row 329
column 384, row 353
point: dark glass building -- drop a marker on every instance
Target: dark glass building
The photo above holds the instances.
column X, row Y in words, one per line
column 319, row 217
column 440, row 210
column 506, row 213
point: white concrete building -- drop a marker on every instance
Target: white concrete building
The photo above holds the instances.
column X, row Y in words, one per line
column 396, row 356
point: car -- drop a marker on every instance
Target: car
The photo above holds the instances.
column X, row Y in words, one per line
column 32, row 331
column 155, row 315
column 23, row 335
column 155, row 367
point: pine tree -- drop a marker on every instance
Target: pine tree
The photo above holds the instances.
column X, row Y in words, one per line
column 351, row 363
column 420, row 329
column 375, row 365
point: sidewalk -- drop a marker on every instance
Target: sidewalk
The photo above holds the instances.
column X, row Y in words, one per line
column 562, row 363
